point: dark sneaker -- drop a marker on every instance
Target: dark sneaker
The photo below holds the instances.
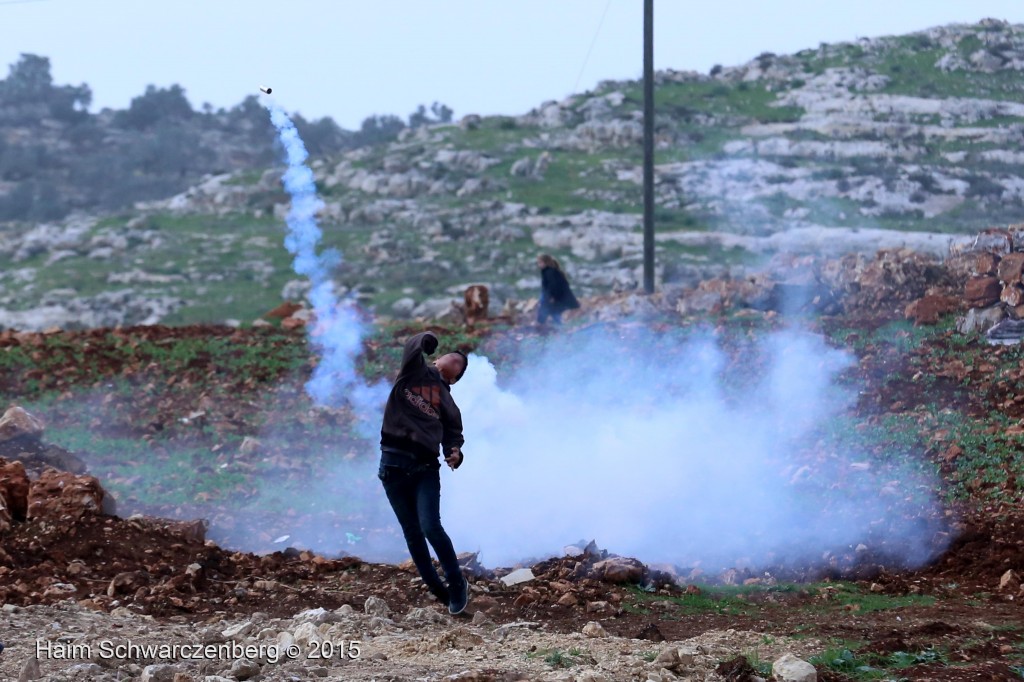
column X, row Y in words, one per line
column 459, row 598
column 441, row 593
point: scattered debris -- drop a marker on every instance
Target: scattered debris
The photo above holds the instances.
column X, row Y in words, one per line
column 518, row 576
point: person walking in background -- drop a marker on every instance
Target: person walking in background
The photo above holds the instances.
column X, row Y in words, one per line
column 555, row 294
column 420, row 416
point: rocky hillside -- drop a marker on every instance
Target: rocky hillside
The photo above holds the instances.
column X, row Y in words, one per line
column 907, row 140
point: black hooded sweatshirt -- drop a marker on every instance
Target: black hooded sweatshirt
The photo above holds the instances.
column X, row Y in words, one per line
column 420, row 412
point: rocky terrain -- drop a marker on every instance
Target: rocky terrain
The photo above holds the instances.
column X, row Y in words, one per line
column 162, row 468
column 166, row 441
column 887, row 142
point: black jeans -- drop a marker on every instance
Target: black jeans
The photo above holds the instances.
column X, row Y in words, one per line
column 414, row 491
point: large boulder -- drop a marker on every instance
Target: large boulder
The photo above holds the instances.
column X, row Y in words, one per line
column 619, row 570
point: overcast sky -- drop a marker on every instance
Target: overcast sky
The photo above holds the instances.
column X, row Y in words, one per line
column 352, row 59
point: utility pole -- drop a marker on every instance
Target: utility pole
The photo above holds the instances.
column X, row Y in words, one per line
column 649, row 146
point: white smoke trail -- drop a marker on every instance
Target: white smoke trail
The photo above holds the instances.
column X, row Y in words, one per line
column 338, row 331
column 641, row 446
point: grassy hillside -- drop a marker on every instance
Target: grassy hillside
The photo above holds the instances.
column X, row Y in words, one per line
column 909, row 134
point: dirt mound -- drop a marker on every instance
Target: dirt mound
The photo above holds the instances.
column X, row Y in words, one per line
column 983, row 551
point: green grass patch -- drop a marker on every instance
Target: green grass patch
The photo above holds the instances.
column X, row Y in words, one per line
column 74, row 360
column 913, row 72
column 155, row 476
column 387, row 341
column 720, row 599
column 870, row 666
column 902, row 336
column 243, row 178
column 171, row 473
column 683, row 101
column 574, row 181
column 854, row 666
column 495, row 134
column 557, row 658
column 851, row 595
column 672, row 254
column 991, row 465
column 763, row 667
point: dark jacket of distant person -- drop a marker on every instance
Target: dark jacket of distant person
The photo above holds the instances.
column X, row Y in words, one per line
column 420, row 414
column 555, row 294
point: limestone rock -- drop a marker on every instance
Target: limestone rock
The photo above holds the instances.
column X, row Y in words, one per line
column 238, row 631
column 459, row 638
column 789, row 668
column 592, row 676
column 30, row 670
column 422, row 617
column 126, row 583
column 159, row 672
column 305, row 635
column 17, row 422
column 980, row 320
column 520, row 575
column 375, row 606
column 243, row 669
column 403, row 307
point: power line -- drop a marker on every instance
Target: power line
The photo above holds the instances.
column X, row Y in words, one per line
column 591, row 48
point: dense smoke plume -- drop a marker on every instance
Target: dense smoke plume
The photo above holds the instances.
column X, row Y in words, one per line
column 667, row 451
column 660, row 445
column 338, row 332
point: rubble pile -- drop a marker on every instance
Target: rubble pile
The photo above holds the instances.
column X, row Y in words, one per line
column 994, row 291
column 982, row 276
column 890, row 283
column 366, row 641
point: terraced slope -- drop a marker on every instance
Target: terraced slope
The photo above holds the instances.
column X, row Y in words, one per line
column 893, row 140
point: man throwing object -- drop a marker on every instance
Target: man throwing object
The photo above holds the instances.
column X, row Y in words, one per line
column 419, row 417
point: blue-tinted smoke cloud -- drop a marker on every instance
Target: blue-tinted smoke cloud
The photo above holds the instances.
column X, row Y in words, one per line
column 338, row 331
column 640, row 445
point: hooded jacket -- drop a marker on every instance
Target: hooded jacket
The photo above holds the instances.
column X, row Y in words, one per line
column 420, row 413
column 555, row 293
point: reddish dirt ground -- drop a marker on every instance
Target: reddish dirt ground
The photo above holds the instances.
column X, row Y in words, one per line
column 955, row 605
column 143, row 563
